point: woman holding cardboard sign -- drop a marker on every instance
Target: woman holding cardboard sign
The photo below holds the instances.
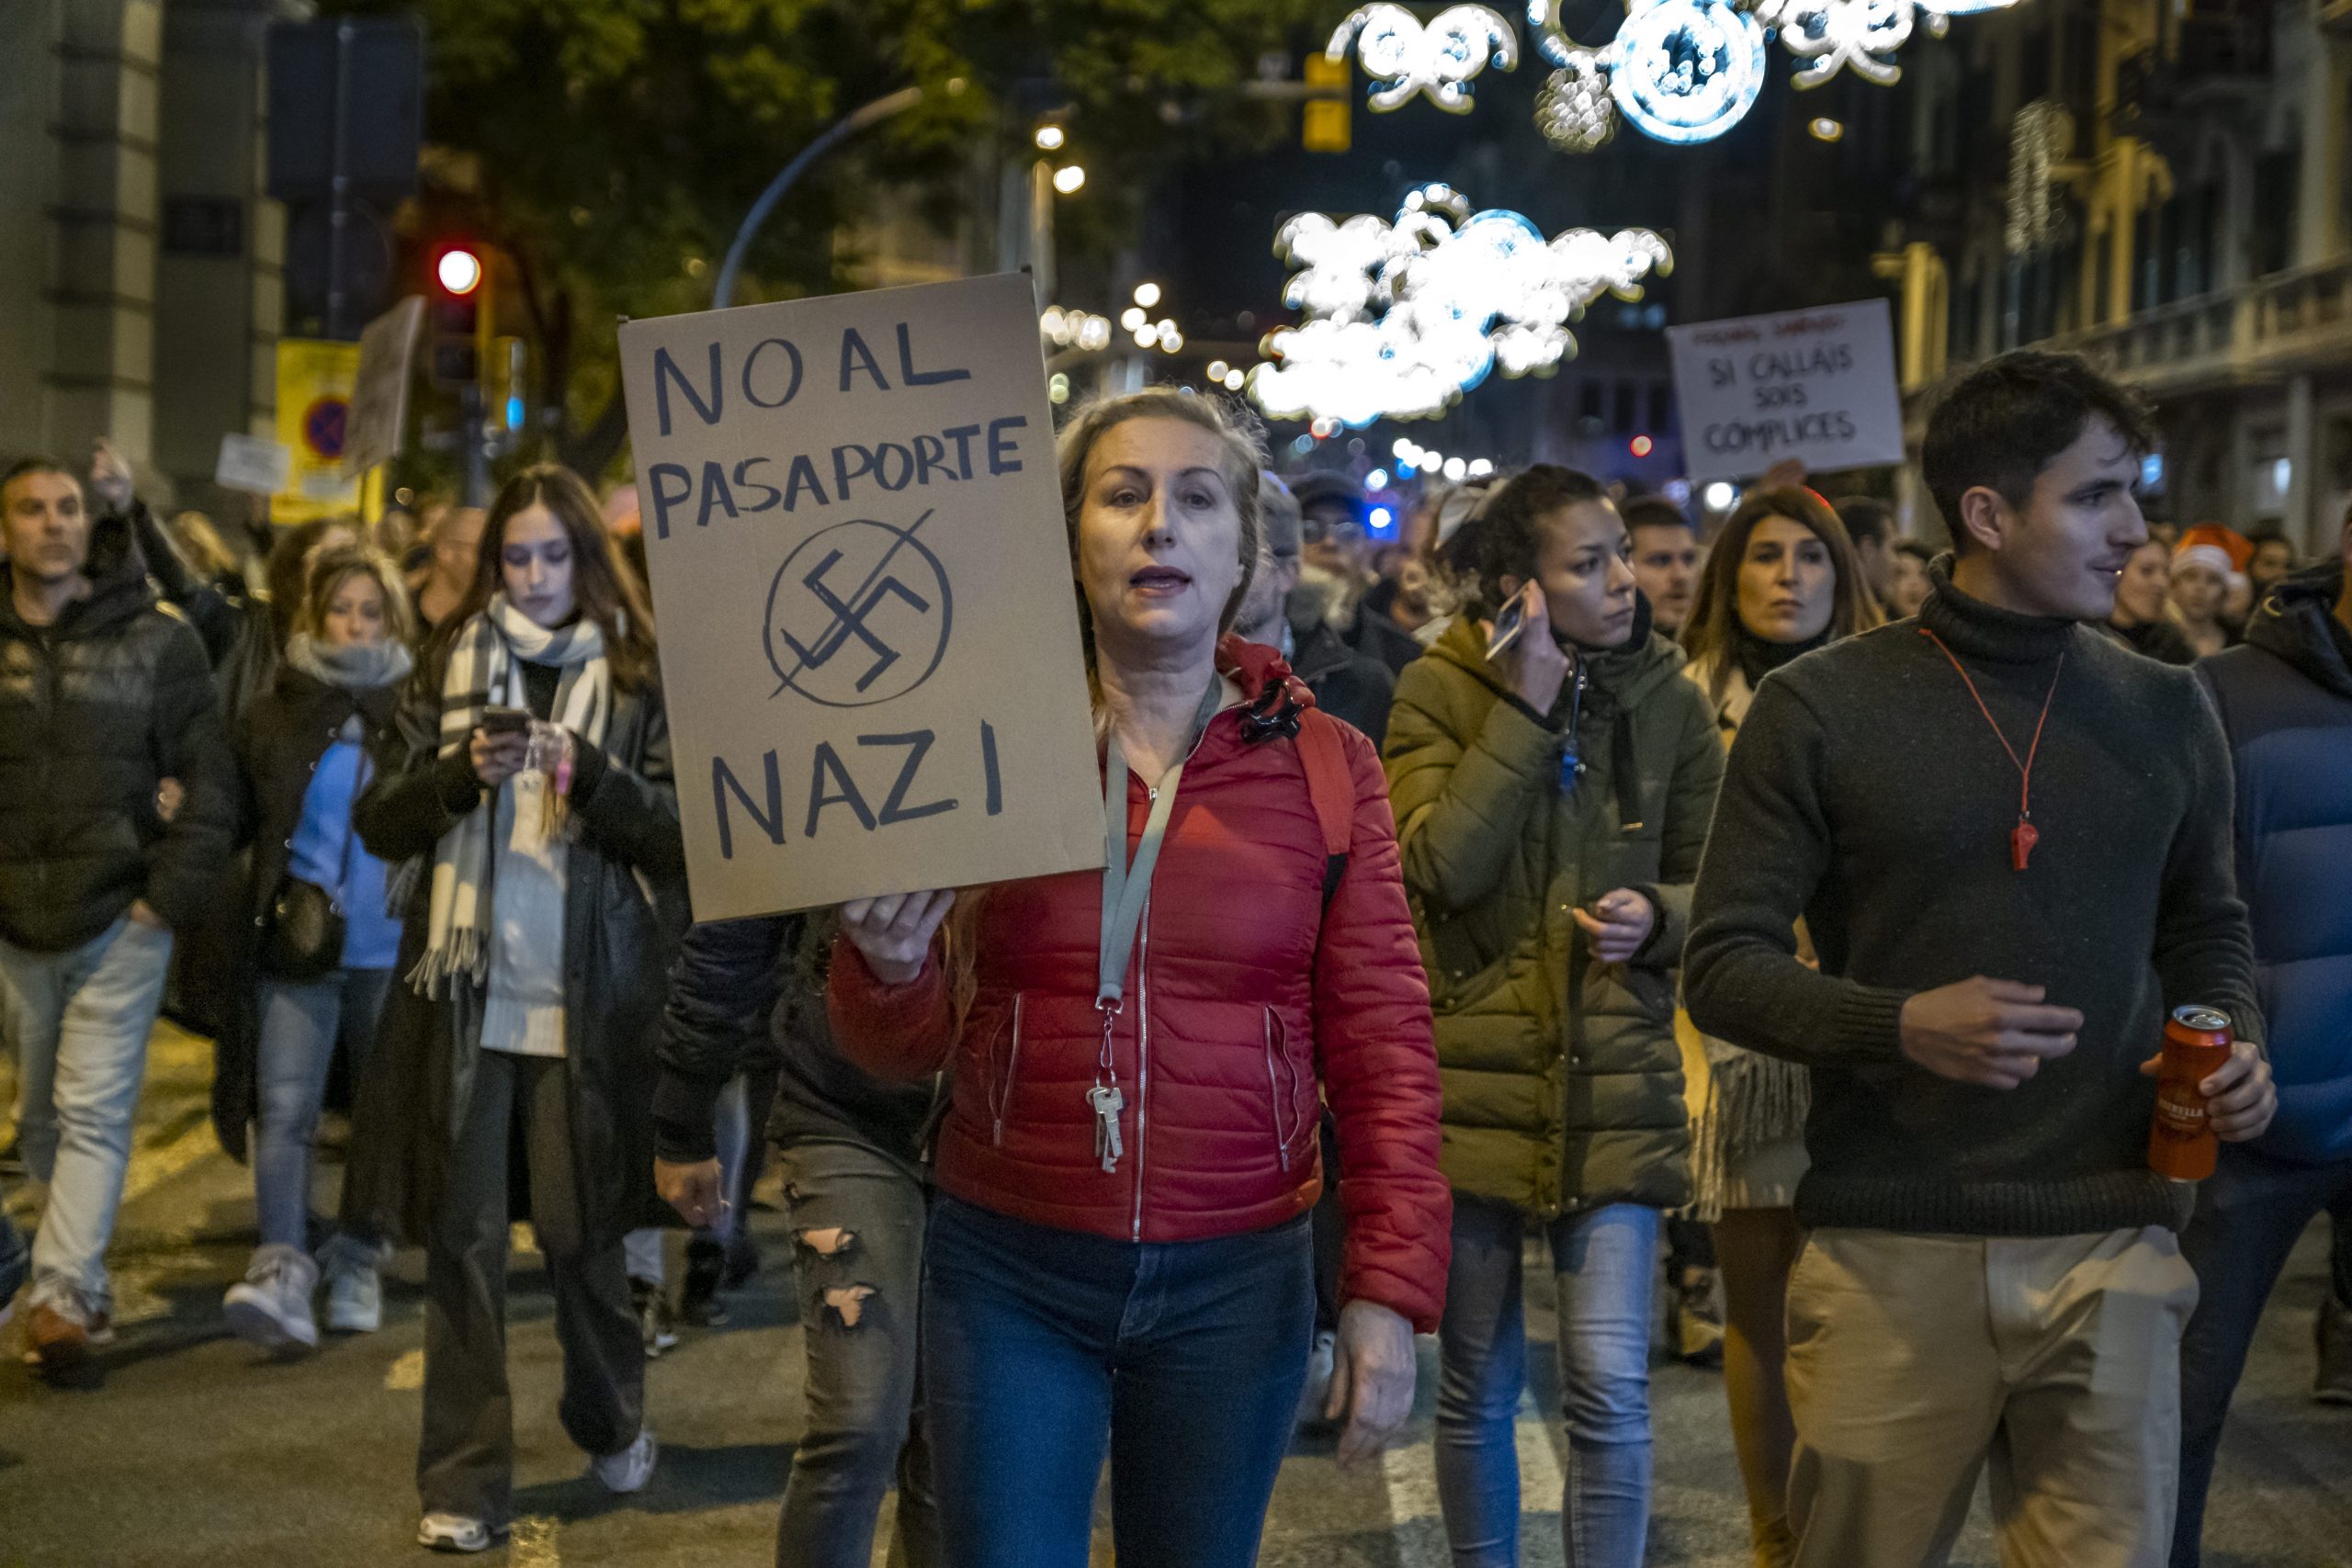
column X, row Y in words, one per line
column 1128, row 1166
column 537, row 801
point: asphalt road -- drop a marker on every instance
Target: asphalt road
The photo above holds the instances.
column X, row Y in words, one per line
column 189, row 1452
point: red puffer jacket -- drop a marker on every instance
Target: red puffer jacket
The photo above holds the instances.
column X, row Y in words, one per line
column 1246, row 991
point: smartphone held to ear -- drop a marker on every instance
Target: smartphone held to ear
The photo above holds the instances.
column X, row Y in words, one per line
column 1508, row 628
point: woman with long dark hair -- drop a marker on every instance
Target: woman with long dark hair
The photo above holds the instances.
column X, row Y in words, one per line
column 1784, row 579
column 537, row 803
column 1551, row 789
column 1119, row 1262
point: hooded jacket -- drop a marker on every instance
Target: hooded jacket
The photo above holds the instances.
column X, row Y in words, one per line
column 1247, row 993
column 96, row 711
column 1563, row 1080
column 2286, row 704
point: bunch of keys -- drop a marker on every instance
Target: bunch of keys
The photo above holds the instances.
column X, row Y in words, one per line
column 1108, row 1101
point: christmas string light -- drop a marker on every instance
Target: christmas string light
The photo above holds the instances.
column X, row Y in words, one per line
column 1686, row 71
column 1436, row 61
column 1574, row 109
column 1402, row 318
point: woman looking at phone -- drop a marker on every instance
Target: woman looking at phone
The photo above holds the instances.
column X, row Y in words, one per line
column 1551, row 799
column 535, row 954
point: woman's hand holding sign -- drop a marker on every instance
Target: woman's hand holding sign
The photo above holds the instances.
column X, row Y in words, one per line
column 893, row 932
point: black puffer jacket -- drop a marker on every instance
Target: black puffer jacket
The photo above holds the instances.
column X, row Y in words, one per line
column 96, row 711
column 624, row 909
column 279, row 741
column 736, row 981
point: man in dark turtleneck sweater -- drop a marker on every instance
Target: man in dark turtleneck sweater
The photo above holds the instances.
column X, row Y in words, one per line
column 2011, row 841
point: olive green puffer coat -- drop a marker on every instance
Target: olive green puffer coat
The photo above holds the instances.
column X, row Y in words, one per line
column 1563, row 1082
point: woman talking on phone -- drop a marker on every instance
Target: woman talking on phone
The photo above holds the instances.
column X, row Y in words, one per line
column 1119, row 1258
column 1552, row 779
column 537, row 800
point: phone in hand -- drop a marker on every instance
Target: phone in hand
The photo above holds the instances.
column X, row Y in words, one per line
column 1507, row 625
column 506, row 720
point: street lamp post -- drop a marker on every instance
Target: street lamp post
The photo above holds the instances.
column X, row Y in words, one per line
column 880, row 109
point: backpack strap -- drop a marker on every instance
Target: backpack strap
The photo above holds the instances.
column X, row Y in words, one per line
column 1332, row 790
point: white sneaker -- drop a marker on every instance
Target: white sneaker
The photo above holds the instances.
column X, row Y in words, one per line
column 454, row 1532
column 630, row 1469
column 354, row 1295
column 271, row 1309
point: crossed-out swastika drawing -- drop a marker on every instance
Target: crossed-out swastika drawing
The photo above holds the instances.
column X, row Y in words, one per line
column 858, row 614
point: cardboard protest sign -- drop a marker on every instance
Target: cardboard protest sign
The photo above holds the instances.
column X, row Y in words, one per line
column 380, row 401
column 253, row 464
column 869, row 632
column 1818, row 386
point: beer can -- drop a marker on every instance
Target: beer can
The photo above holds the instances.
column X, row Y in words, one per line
column 2181, row 1144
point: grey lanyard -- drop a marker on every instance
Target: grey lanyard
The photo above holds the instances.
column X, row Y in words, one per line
column 1125, row 889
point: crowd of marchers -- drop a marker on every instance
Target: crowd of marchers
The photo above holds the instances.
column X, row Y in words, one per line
column 1780, row 920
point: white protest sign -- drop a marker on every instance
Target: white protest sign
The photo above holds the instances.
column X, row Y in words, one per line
column 869, row 634
column 253, row 464
column 1818, row 386
column 379, row 399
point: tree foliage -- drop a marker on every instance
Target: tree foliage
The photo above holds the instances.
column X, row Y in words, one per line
column 610, row 147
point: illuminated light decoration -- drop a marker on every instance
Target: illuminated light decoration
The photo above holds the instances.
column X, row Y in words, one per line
column 1403, row 449
column 1075, row 329
column 1481, row 467
column 1132, row 318
column 1381, row 517
column 1438, row 61
column 1070, row 180
column 1826, row 130
column 1146, row 294
column 1686, row 71
column 1217, row 367
column 1049, row 139
column 2042, row 134
column 1402, row 318
column 1235, row 379
column 1835, row 34
column 1719, row 496
column 1376, row 480
column 1574, row 109
column 1642, row 446
column 1552, row 40
column 1456, row 469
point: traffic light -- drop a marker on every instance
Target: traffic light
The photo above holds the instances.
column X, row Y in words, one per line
column 1329, row 121
column 461, row 315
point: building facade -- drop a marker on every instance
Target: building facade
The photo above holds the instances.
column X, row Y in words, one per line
column 142, row 263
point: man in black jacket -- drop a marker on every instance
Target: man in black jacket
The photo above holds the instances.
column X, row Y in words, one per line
column 852, row 1152
column 1347, row 686
column 2010, row 840
column 104, row 696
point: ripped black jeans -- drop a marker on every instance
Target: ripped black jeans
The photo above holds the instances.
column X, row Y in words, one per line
column 857, row 1227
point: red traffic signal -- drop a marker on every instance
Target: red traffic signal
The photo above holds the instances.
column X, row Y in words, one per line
column 458, row 270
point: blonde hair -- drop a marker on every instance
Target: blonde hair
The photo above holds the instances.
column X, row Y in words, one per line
column 1242, row 454
column 333, row 567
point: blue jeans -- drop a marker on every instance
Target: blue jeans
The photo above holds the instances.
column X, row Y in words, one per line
column 300, row 1024
column 2249, row 1216
column 1606, row 1259
column 1042, row 1349
column 79, row 1021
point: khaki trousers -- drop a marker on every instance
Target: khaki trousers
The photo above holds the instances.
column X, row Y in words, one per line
column 1914, row 1359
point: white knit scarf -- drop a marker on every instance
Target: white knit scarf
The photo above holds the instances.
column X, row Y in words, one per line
column 482, row 670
